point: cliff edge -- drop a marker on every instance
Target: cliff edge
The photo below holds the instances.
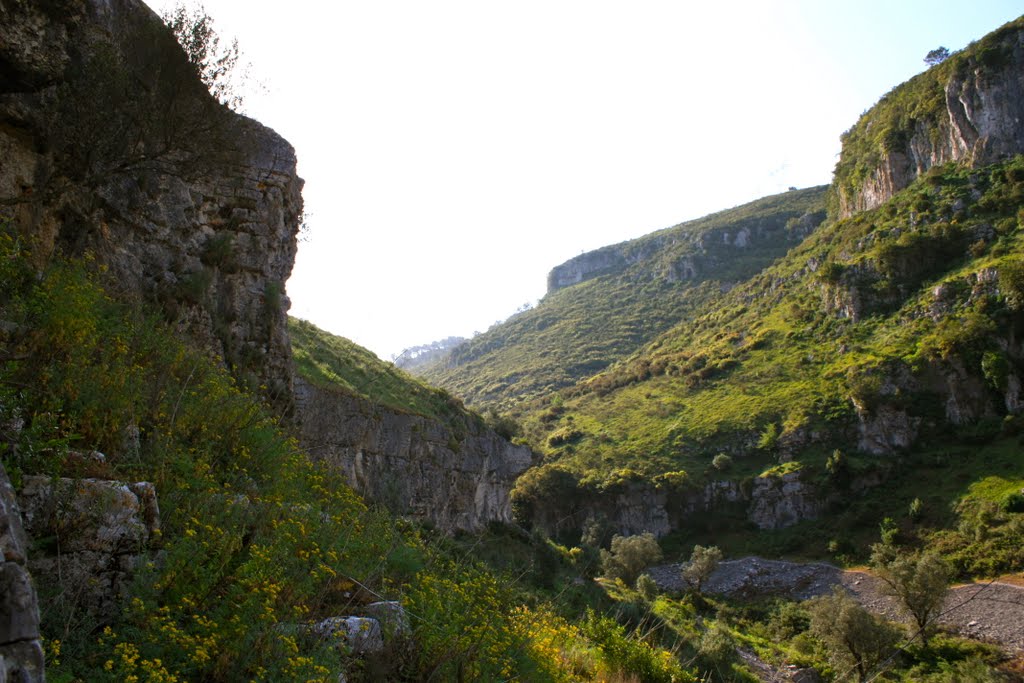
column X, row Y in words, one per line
column 113, row 147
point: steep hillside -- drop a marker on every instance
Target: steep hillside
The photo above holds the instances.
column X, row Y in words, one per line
column 399, row 442
column 604, row 305
column 896, row 330
column 966, row 109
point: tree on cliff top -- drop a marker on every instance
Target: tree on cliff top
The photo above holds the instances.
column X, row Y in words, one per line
column 216, row 64
column 150, row 98
column 936, row 56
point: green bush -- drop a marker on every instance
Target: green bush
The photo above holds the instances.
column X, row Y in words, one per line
column 629, row 556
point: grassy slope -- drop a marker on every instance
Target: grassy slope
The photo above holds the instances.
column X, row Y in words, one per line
column 335, row 363
column 774, row 355
column 578, row 331
column 772, row 352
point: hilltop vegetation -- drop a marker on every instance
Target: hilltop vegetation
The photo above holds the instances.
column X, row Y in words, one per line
column 653, row 284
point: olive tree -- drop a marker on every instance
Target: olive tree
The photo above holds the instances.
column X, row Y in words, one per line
column 918, row 580
column 703, row 561
column 855, row 640
column 630, row 555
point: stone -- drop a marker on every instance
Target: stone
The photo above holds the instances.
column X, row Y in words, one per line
column 780, row 502
column 885, row 430
column 90, row 514
column 357, row 635
column 19, row 608
column 23, row 662
column 12, row 533
column 101, row 529
column 393, row 619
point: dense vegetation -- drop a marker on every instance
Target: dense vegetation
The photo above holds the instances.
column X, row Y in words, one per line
column 870, row 312
column 578, row 331
column 255, row 536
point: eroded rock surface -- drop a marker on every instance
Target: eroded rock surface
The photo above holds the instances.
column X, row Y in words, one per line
column 980, row 121
column 91, row 534
column 200, row 216
column 21, row 652
column 458, row 479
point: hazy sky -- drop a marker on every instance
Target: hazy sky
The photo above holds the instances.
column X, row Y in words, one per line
column 455, row 151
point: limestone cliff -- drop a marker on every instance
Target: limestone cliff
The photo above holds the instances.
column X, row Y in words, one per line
column 21, row 652
column 969, row 109
column 457, row 477
column 700, row 249
column 112, row 146
column 770, row 501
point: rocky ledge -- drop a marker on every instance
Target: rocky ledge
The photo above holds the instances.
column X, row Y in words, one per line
column 457, row 479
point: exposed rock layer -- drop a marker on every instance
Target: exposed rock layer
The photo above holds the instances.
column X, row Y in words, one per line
column 456, row 476
column 980, row 120
column 21, row 652
column 205, row 224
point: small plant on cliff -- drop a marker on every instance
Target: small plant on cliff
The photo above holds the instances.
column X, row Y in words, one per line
column 215, row 63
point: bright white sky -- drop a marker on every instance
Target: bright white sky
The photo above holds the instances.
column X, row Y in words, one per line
column 454, row 151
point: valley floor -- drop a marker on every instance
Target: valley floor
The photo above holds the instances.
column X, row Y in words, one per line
column 991, row 611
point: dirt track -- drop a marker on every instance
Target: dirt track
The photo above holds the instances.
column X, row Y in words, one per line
column 992, row 612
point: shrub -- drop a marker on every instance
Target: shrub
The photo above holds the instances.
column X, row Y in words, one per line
column 915, row 509
column 647, row 587
column 630, row 555
column 717, row 649
column 721, row 462
column 703, row 562
column 854, row 639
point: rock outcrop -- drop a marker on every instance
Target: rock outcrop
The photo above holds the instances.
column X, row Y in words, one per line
column 782, row 501
column 95, row 533
column 768, row 502
column 975, row 117
column 456, row 476
column 21, row 652
column 190, row 205
column 688, row 252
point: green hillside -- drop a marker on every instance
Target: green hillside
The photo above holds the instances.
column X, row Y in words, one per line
column 873, row 313
column 658, row 281
column 329, row 361
column 257, row 541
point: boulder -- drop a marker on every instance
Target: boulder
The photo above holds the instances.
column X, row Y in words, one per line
column 357, row 635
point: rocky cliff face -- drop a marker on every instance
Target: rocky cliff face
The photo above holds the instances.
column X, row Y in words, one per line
column 21, row 652
column 768, row 502
column 968, row 110
column 689, row 251
column 113, row 147
column 457, row 477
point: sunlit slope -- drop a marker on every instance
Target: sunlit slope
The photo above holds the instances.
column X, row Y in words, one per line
column 631, row 293
column 910, row 311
